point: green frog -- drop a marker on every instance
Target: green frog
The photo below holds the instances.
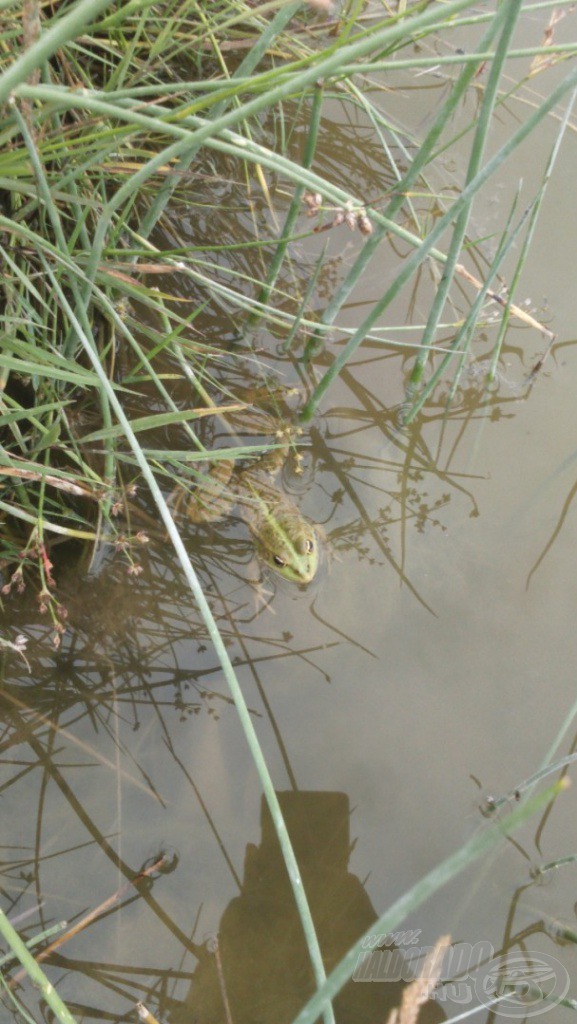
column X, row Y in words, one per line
column 284, row 539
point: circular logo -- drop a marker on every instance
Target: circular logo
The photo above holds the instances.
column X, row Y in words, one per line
column 522, row 984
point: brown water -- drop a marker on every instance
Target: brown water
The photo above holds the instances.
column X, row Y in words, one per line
column 430, row 666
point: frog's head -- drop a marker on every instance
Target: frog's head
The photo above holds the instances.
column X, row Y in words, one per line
column 290, row 546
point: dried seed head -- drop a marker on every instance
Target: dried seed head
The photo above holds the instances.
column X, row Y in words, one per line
column 364, row 224
column 314, row 201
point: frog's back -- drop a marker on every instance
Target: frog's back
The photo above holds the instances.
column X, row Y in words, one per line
column 212, row 499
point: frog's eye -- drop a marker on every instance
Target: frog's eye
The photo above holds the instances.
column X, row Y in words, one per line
column 310, row 547
column 281, row 562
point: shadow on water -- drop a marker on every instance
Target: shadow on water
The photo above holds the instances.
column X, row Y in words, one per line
column 262, row 967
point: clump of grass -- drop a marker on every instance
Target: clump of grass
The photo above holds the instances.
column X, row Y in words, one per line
column 104, row 122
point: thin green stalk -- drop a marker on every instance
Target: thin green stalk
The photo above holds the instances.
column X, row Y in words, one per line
column 47, row 933
column 448, row 60
column 16, row 1003
column 561, row 734
column 467, row 331
column 550, row 768
column 218, row 644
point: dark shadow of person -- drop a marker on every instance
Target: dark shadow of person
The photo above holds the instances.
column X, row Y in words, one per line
column 262, row 968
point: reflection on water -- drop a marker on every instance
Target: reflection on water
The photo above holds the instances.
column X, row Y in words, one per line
column 263, row 969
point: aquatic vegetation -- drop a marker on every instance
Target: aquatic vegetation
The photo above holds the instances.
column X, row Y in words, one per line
column 81, row 207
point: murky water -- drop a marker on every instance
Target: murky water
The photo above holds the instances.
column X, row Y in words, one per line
column 430, row 666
